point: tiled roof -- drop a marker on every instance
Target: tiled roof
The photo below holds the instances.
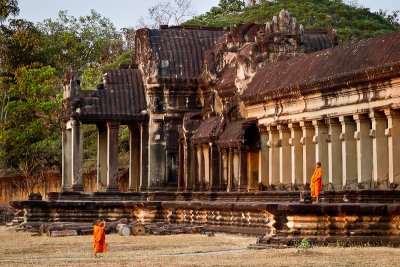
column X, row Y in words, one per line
column 207, row 130
column 344, row 65
column 181, row 50
column 121, row 99
column 234, row 133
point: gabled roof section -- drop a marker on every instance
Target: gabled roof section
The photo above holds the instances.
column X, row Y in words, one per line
column 175, row 52
column 346, row 65
column 207, row 130
column 234, row 133
column 120, row 98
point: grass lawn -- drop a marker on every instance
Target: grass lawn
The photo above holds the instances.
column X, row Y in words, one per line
column 22, row 249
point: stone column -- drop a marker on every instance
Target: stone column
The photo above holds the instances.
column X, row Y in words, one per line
column 349, row 155
column 77, row 155
column 134, row 158
column 214, row 167
column 66, row 172
column 308, row 150
column 224, row 169
column 206, row 161
column 321, row 148
column 231, row 172
column 273, row 147
column 380, row 154
column 144, row 156
column 285, row 166
column 187, row 167
column 112, row 156
column 200, row 164
column 263, row 174
column 101, row 157
column 335, row 153
column 393, row 134
column 243, row 179
column 296, row 153
column 364, row 149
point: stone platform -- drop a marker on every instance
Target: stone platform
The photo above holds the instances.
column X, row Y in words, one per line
column 362, row 216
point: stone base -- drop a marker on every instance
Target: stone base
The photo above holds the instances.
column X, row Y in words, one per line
column 368, row 216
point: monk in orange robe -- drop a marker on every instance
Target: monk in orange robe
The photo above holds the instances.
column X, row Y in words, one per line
column 99, row 237
column 316, row 182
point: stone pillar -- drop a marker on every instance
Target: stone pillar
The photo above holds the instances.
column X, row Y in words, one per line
column 144, row 156
column 187, row 166
column 66, row 172
column 296, row 153
column 308, row 150
column 101, row 157
column 206, row 161
column 181, row 164
column 349, row 155
column 77, row 155
column 380, row 154
column 134, row 158
column 273, row 145
column 335, row 172
column 112, row 156
column 224, row 169
column 393, row 134
column 364, row 150
column 231, row 171
column 285, row 166
column 321, row 148
column 200, row 164
column 263, row 173
column 243, row 179
column 214, row 167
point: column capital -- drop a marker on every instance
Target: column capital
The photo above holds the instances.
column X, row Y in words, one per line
column 262, row 129
column 377, row 115
column 346, row 119
column 271, row 128
column 332, row 121
column 283, row 128
column 306, row 124
column 113, row 124
column 76, row 123
column 389, row 112
column 294, row 125
column 319, row 123
column 361, row 117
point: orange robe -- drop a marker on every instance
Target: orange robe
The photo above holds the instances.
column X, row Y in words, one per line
column 99, row 239
column 316, row 182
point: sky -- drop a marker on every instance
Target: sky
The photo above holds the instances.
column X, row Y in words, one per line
column 126, row 13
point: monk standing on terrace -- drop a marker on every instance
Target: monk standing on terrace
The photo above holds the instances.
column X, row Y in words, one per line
column 316, row 182
column 99, row 237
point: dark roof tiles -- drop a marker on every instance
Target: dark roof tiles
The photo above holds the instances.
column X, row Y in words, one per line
column 326, row 68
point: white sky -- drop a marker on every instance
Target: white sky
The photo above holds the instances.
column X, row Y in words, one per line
column 126, row 13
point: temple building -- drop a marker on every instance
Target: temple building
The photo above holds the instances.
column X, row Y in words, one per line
column 247, row 108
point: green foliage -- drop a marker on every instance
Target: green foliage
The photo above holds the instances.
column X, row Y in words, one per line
column 29, row 136
column 7, row 8
column 305, row 244
column 34, row 60
column 79, row 43
column 351, row 22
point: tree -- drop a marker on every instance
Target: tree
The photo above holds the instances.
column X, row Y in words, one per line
column 169, row 12
column 29, row 138
column 350, row 21
column 7, row 8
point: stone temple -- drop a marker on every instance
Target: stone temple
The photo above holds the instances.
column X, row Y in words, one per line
column 226, row 125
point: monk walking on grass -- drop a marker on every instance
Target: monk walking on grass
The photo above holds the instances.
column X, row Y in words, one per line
column 316, row 183
column 99, row 237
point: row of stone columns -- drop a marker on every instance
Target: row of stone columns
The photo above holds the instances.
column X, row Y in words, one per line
column 355, row 151
column 107, row 157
